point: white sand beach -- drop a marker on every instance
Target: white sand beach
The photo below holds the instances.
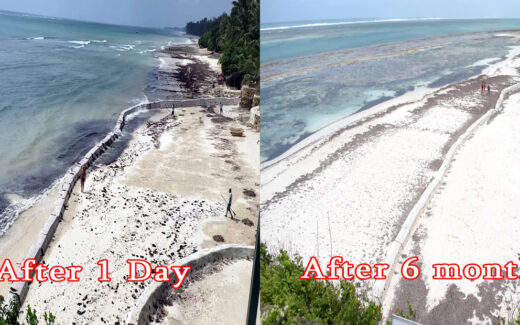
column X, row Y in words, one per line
column 347, row 189
column 473, row 218
column 159, row 204
column 215, row 299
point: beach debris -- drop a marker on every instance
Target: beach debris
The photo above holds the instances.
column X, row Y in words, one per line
column 237, row 132
column 249, row 192
column 218, row 238
column 221, row 119
column 247, row 222
column 157, row 128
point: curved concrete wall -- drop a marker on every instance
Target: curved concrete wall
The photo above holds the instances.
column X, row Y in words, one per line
column 394, row 250
column 18, row 290
column 146, row 305
column 504, row 93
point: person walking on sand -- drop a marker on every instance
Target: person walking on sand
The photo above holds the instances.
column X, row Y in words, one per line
column 221, row 108
column 489, row 89
column 83, row 176
column 173, row 109
column 228, row 209
column 482, row 86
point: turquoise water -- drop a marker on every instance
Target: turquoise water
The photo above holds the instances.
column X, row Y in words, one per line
column 62, row 86
column 314, row 73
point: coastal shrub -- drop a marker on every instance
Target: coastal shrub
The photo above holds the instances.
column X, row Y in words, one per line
column 512, row 319
column 198, row 28
column 237, row 37
column 285, row 299
column 411, row 315
column 9, row 314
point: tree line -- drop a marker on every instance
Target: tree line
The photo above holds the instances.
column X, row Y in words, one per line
column 237, row 37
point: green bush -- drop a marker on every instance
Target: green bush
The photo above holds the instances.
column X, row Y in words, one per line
column 237, row 37
column 9, row 314
column 513, row 320
column 289, row 300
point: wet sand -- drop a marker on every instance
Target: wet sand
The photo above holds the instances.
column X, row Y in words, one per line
column 15, row 243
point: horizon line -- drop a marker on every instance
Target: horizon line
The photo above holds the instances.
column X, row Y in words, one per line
column 33, row 15
column 353, row 21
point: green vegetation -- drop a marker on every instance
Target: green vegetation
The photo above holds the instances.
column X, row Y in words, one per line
column 237, row 37
column 9, row 315
column 513, row 320
column 411, row 312
column 200, row 27
column 289, row 300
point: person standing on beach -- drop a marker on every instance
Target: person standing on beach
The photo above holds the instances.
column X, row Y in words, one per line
column 83, row 176
column 228, row 209
column 482, row 87
column 221, row 108
column 173, row 109
column 489, row 89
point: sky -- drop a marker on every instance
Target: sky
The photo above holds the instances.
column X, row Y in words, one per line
column 150, row 13
column 298, row 10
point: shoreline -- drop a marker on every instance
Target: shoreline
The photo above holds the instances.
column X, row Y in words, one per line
column 17, row 240
column 483, row 157
column 90, row 212
column 352, row 184
column 379, row 108
column 157, row 140
column 419, row 89
column 27, row 203
column 10, row 239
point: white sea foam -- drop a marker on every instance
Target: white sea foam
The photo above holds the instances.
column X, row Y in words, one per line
column 139, row 111
column 162, row 63
column 484, row 62
column 324, row 24
column 146, row 51
column 36, row 38
column 122, row 48
column 80, row 42
column 96, row 41
column 127, row 47
column 18, row 204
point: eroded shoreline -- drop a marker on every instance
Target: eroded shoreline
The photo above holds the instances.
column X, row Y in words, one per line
column 162, row 136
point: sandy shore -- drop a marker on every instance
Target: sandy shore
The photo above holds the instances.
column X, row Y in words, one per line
column 347, row 189
column 160, row 200
column 174, row 63
column 15, row 243
column 202, row 303
column 157, row 203
column 473, row 218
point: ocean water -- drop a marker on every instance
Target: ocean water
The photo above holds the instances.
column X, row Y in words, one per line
column 62, row 85
column 314, row 73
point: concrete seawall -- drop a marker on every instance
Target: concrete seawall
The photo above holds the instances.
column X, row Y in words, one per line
column 18, row 290
column 146, row 305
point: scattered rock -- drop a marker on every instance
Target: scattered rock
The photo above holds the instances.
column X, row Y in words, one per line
column 247, row 222
column 218, row 238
